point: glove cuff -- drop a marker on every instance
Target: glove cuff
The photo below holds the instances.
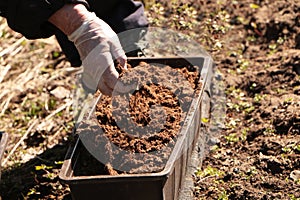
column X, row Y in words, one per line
column 83, row 28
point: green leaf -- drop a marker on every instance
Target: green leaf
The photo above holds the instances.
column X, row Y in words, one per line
column 204, row 120
column 254, row 6
column 56, row 54
column 272, row 46
column 42, row 167
column 59, row 162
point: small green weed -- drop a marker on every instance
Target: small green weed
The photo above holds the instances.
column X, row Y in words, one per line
column 232, row 138
column 223, row 195
column 259, row 97
column 209, row 171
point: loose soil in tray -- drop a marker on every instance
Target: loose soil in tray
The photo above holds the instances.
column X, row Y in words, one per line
column 138, row 130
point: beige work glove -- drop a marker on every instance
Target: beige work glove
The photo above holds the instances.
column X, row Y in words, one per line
column 98, row 45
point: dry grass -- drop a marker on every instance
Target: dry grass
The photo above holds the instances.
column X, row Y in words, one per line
column 35, row 94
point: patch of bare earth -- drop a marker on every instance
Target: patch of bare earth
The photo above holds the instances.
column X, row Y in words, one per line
column 258, row 155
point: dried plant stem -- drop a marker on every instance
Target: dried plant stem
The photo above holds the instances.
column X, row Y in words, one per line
column 12, row 48
column 4, row 72
column 61, row 108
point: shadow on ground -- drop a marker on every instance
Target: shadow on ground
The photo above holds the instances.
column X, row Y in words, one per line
column 37, row 178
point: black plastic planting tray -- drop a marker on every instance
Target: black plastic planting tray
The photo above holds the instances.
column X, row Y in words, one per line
column 165, row 184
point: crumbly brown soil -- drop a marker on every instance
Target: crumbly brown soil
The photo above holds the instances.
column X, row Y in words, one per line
column 145, row 121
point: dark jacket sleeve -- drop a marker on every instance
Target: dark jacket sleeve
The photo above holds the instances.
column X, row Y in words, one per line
column 30, row 17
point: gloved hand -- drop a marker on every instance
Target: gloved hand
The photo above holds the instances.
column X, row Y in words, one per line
column 98, row 45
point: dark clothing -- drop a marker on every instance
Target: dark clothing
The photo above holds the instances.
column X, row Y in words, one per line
column 30, row 18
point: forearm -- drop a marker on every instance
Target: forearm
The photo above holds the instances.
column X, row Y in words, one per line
column 69, row 17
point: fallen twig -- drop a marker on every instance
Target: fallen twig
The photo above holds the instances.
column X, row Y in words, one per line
column 61, row 108
column 4, row 72
column 5, row 106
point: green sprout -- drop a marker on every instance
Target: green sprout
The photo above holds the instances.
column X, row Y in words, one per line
column 232, row 138
column 258, row 98
column 223, row 195
column 209, row 171
column 254, row 6
column 42, row 167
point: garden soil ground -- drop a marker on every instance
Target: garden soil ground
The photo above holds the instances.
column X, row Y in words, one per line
column 256, row 154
